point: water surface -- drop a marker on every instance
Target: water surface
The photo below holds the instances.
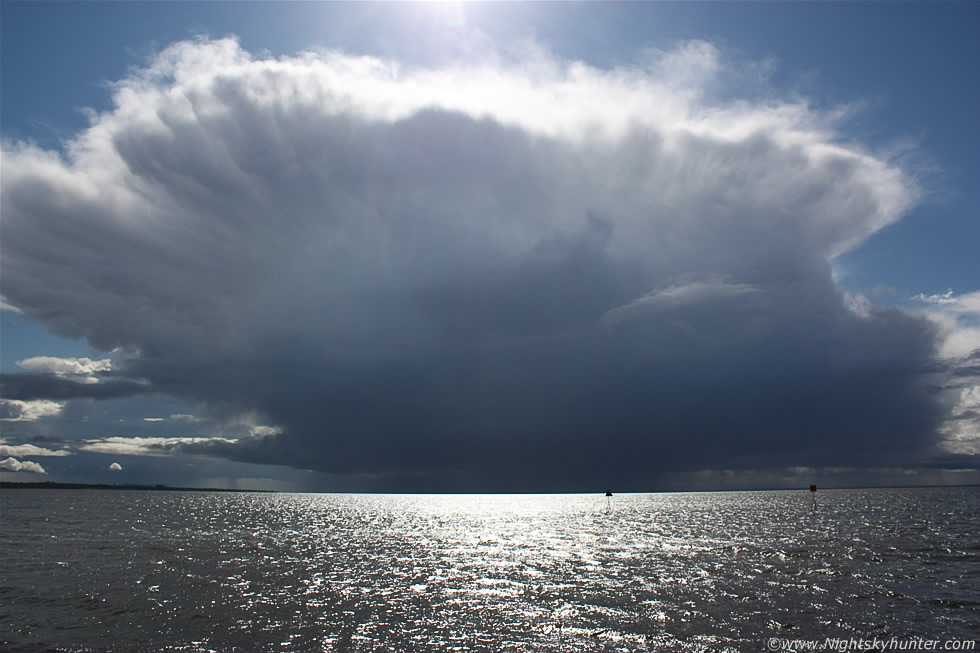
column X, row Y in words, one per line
column 188, row 571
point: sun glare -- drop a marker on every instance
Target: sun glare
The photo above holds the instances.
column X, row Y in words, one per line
column 449, row 13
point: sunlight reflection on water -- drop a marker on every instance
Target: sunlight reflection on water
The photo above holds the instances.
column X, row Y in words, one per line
column 723, row 571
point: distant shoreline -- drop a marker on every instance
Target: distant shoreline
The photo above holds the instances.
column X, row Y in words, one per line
column 50, row 485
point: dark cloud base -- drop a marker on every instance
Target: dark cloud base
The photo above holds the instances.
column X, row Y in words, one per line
column 532, row 417
column 28, row 387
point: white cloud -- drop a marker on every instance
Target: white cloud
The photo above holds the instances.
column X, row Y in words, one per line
column 677, row 295
column 962, row 430
column 14, row 410
column 14, row 465
column 208, row 130
column 138, row 446
column 6, row 306
column 21, row 450
column 116, row 467
column 958, row 318
column 184, row 417
column 153, row 419
column 938, row 298
column 81, row 370
column 968, row 304
column 264, row 431
column 858, row 304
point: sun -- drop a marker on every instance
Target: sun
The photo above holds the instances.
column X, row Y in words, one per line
column 449, row 13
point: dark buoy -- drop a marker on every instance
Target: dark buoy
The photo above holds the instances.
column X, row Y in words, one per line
column 608, row 493
column 813, row 493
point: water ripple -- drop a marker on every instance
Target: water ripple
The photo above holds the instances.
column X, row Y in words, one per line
column 684, row 572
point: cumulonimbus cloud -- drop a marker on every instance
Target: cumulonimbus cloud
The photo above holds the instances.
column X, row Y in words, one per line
column 489, row 275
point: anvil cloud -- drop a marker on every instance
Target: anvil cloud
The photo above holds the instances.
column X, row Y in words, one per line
column 506, row 276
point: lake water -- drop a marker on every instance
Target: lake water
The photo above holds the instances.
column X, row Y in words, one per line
column 92, row 570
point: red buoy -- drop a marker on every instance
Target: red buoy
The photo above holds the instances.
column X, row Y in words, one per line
column 813, row 488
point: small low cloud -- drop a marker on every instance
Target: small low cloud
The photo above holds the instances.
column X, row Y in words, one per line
column 5, row 306
column 184, row 417
column 80, row 370
column 937, row 298
column 22, row 450
column 116, row 467
column 677, row 295
column 13, row 465
column 137, row 446
column 264, row 431
column 15, row 410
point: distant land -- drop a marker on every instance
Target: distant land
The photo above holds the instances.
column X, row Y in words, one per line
column 49, row 485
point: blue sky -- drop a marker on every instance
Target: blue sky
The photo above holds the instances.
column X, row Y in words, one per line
column 891, row 82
